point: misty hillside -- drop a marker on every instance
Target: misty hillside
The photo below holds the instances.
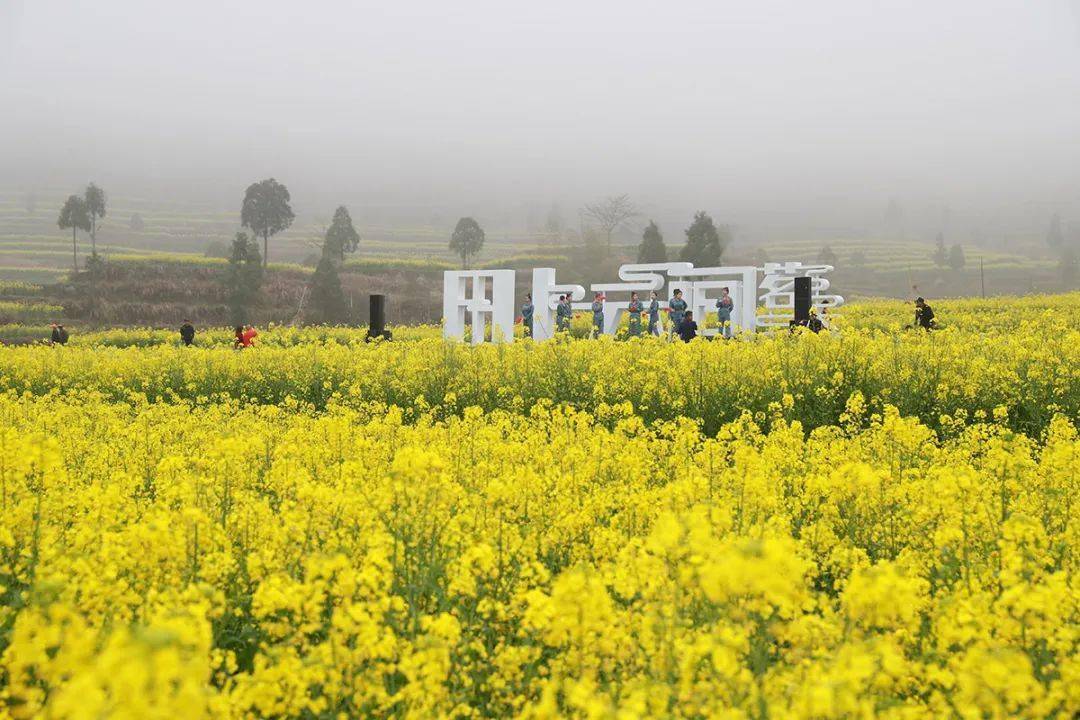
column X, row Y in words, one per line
column 33, row 249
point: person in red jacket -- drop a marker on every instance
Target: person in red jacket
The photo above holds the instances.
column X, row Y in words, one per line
column 248, row 338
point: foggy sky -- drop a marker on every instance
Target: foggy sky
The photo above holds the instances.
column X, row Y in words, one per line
column 749, row 108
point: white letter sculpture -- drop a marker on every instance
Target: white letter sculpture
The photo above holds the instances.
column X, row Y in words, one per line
column 466, row 291
column 779, row 291
column 700, row 286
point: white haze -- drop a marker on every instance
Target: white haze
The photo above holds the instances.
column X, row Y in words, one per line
column 769, row 111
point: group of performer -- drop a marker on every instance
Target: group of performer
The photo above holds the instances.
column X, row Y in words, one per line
column 682, row 319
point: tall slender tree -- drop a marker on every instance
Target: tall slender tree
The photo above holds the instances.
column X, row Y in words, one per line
column 341, row 236
column 94, row 197
column 74, row 215
column 266, row 211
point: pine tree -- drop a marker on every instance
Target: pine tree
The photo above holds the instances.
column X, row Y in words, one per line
column 327, row 297
column 705, row 243
column 244, row 277
column 652, row 248
column 341, row 236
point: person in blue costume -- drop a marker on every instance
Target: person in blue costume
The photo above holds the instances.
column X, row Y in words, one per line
column 724, row 306
column 563, row 312
column 598, row 314
column 527, row 311
column 634, row 310
column 654, row 314
column 676, row 310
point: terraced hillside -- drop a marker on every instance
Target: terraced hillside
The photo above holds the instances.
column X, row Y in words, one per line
column 34, row 249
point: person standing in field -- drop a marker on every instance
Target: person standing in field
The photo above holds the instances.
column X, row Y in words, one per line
column 634, row 310
column 724, row 305
column 562, row 315
column 687, row 327
column 187, row 333
column 61, row 335
column 238, row 339
column 654, row 314
column 250, row 333
column 924, row 314
column 676, row 310
column 527, row 311
column 598, row 314
column 54, row 335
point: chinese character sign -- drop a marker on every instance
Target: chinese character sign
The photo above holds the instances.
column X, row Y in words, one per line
column 486, row 296
column 489, row 298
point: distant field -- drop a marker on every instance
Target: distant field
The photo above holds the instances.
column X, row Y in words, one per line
column 33, row 248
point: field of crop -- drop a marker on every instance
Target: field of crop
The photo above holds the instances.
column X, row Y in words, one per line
column 871, row 522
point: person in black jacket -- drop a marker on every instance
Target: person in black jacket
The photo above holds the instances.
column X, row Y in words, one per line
column 924, row 315
column 187, row 333
column 688, row 328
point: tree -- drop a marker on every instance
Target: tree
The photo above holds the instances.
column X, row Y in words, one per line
column 341, row 236
column 941, row 255
column 244, row 277
column 266, row 211
column 95, row 206
column 327, row 297
column 1067, row 266
column 74, row 215
column 652, row 248
column 705, row 243
column 1054, row 237
column 137, row 223
column 611, row 214
column 467, row 240
column 956, row 257
column 827, row 257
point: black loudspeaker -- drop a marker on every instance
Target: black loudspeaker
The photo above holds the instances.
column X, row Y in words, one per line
column 802, row 300
column 377, row 322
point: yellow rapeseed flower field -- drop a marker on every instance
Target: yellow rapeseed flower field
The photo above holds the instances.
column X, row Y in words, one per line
column 871, row 522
